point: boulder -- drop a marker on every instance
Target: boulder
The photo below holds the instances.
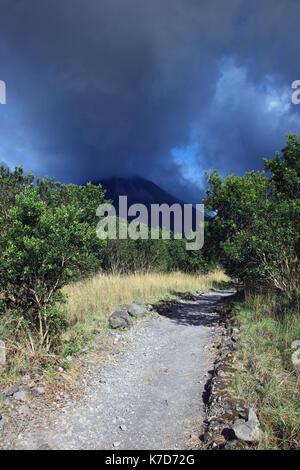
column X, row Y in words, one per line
column 137, row 310
column 248, row 431
column 120, row 319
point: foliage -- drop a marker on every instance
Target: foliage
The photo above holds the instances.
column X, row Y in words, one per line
column 142, row 255
column 263, row 367
column 47, row 240
column 256, row 231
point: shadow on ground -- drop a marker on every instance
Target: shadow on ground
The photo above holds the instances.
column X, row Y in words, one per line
column 196, row 310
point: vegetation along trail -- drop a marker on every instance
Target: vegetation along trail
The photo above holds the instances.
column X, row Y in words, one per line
column 150, row 398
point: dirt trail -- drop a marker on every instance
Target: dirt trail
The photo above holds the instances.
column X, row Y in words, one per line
column 150, row 398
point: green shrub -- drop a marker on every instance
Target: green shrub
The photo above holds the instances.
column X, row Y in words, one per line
column 45, row 243
column 256, row 232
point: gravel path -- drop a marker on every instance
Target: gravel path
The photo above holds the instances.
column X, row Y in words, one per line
column 150, row 396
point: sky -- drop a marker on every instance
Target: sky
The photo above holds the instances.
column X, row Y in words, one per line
column 159, row 89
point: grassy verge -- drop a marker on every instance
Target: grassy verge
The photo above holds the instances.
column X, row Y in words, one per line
column 264, row 372
column 90, row 303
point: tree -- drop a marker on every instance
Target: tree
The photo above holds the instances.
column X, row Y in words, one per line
column 256, row 230
column 45, row 243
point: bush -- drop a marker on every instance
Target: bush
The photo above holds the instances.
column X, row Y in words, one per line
column 256, row 232
column 45, row 243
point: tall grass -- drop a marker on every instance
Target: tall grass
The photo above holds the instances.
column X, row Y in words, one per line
column 89, row 304
column 264, row 367
column 96, row 298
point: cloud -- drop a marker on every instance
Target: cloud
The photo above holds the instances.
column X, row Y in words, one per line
column 163, row 90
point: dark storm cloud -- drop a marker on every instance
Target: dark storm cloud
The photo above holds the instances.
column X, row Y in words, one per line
column 99, row 88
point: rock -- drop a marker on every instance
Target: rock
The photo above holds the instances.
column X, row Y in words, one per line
column 116, row 444
column 120, row 319
column 248, row 431
column 296, row 359
column 123, row 427
column 236, row 445
column 226, row 343
column 235, row 331
column 11, row 390
column 24, row 410
column 236, row 338
column 221, row 373
column 22, row 395
column 225, row 353
column 137, row 310
column 200, row 292
column 242, row 413
column 295, row 344
column 117, row 338
column 2, row 421
column 218, row 364
column 252, row 418
column 37, row 391
column 41, row 445
column 150, row 307
column 2, row 353
column 44, row 447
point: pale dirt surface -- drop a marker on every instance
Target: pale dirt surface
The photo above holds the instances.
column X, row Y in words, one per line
column 148, row 396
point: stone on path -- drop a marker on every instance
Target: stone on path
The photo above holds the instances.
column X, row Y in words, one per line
column 120, row 319
column 21, row 396
column 137, row 310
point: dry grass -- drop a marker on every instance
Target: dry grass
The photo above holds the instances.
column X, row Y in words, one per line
column 95, row 299
column 90, row 303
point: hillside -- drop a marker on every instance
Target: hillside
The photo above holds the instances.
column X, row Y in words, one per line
column 142, row 191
